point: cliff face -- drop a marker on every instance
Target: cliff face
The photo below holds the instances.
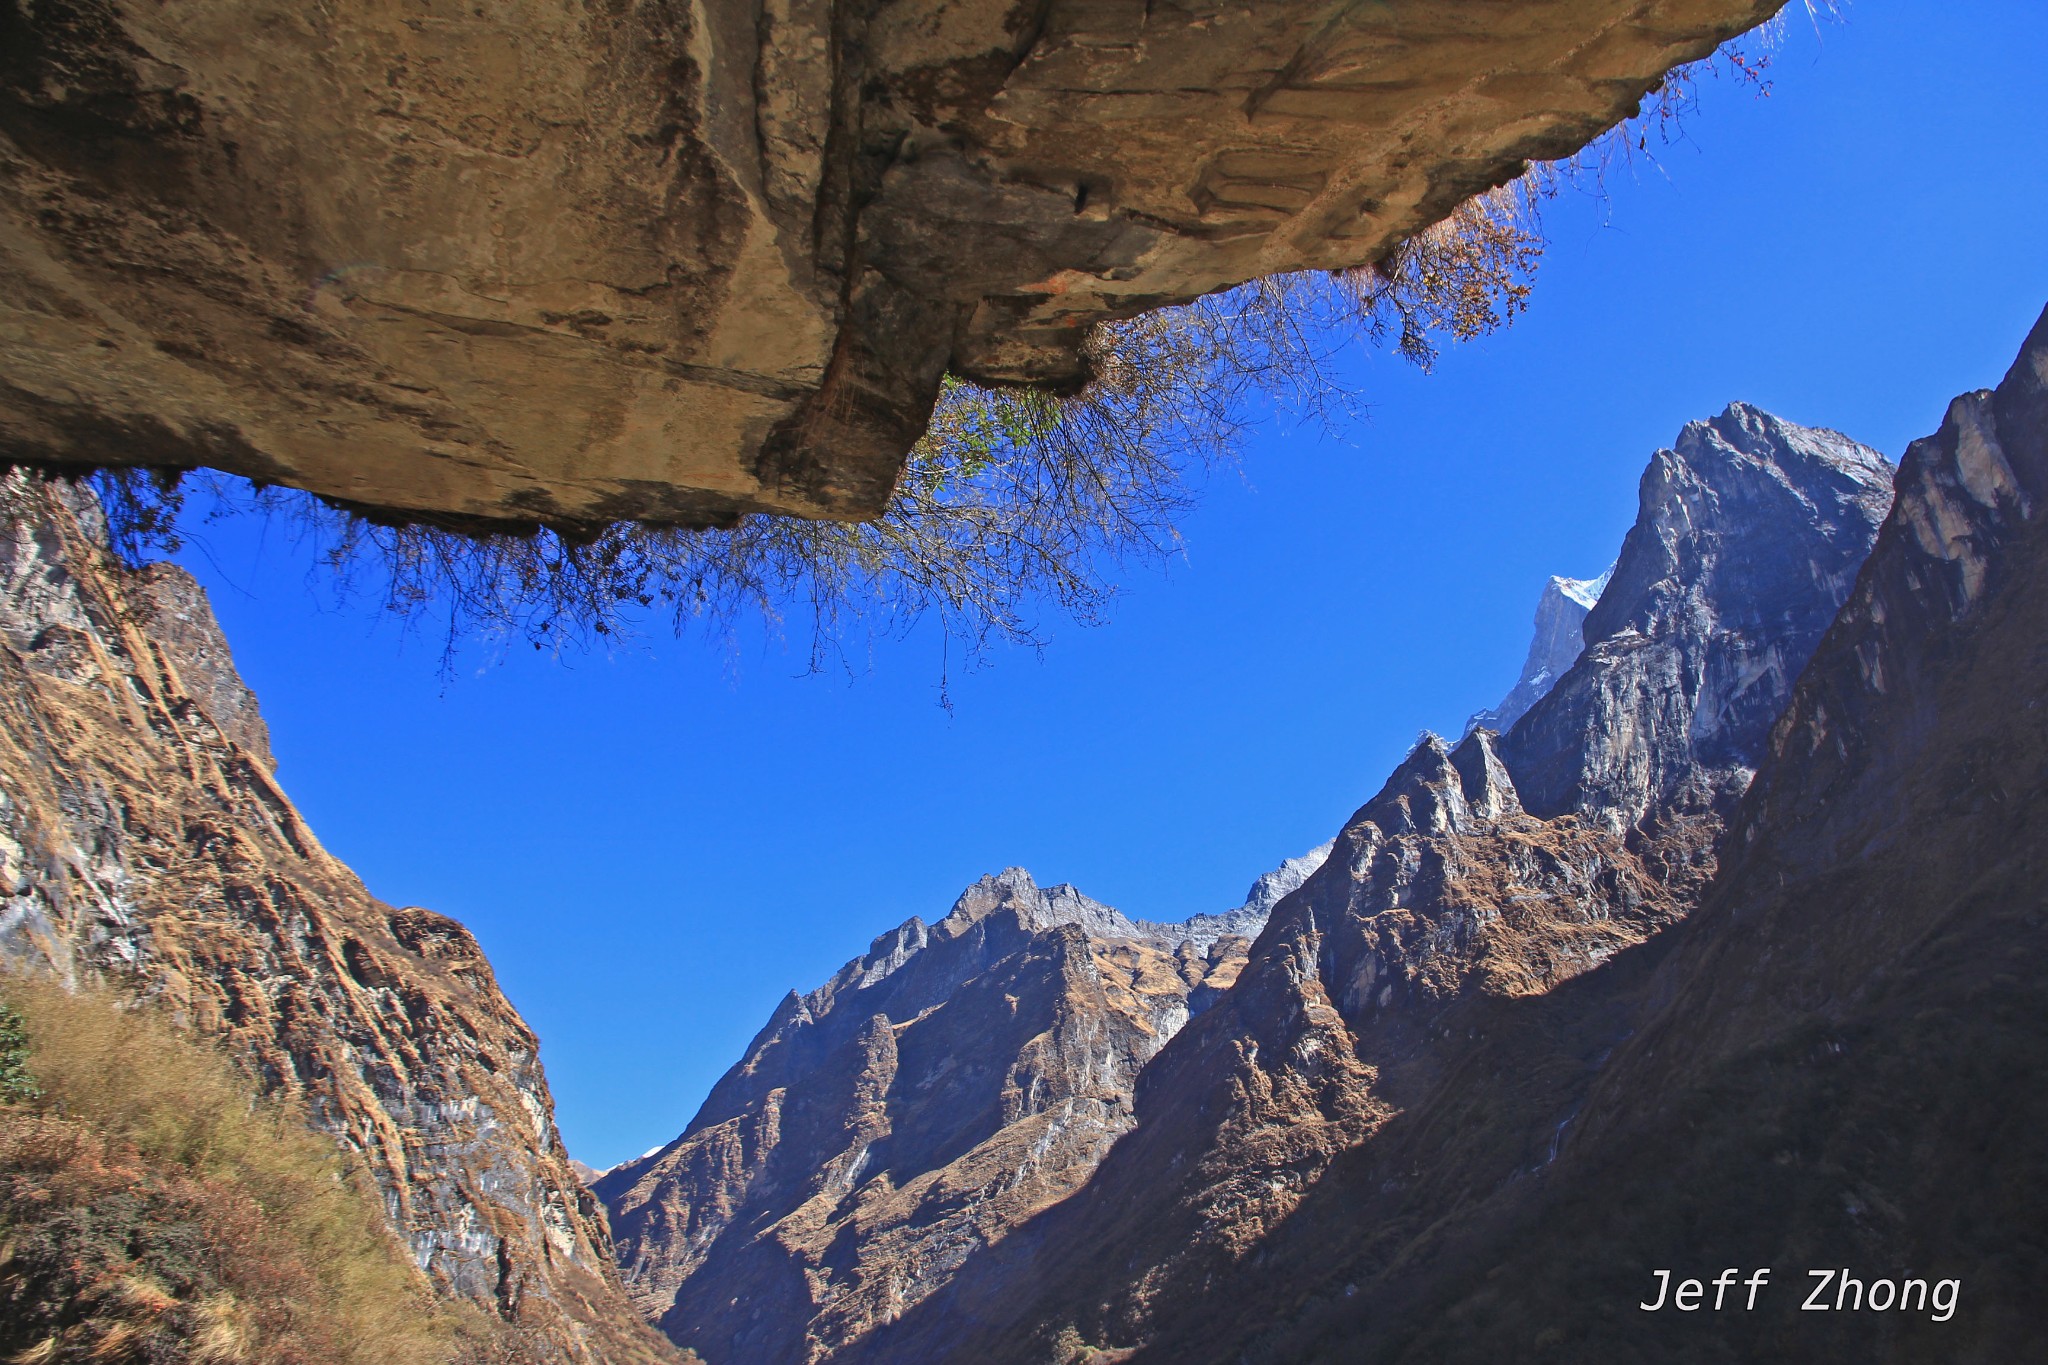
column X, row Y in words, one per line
column 1749, row 533
column 144, row 841
column 1829, row 1066
column 1359, row 1050
column 570, row 263
column 933, row 1095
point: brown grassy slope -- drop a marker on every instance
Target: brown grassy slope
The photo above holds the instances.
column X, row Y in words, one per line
column 151, row 1209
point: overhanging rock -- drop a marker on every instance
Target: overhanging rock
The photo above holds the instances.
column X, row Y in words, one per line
column 574, row 261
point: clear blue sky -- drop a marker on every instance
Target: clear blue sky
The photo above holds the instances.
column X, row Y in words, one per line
column 655, row 845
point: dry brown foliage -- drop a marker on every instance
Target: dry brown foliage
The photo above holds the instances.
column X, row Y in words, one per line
column 153, row 1210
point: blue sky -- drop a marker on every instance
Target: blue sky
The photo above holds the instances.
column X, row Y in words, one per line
column 655, row 844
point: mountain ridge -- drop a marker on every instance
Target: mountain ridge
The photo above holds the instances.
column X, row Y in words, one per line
column 1821, row 1067
column 1442, row 889
column 822, row 1150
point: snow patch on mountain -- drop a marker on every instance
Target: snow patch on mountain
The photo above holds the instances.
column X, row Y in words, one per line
column 1555, row 646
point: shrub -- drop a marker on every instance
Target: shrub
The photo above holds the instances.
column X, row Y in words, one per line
column 153, row 1210
column 17, row 1083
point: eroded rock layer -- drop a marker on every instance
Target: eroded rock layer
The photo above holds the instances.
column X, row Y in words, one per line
column 885, row 1128
column 145, row 841
column 575, row 262
column 1363, row 1048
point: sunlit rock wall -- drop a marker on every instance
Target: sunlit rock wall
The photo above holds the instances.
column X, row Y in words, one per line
column 574, row 262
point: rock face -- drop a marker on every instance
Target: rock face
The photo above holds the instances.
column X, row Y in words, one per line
column 933, row 1095
column 1360, row 1050
column 1750, row 532
column 567, row 263
column 1820, row 1069
column 144, row 840
column 1555, row 646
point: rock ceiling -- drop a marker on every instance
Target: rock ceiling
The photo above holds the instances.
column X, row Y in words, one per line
column 573, row 261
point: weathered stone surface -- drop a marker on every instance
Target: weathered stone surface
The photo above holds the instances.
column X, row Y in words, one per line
column 1748, row 535
column 574, row 262
column 1370, row 1007
column 144, row 840
column 888, row 1126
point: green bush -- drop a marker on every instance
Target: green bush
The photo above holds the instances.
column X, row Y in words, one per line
column 17, row 1085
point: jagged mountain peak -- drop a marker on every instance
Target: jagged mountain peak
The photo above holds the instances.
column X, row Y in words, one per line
column 1584, row 591
column 1748, row 535
column 1051, row 907
column 1862, row 979
column 1439, row 788
column 1201, row 933
column 936, row 1092
column 1758, row 432
column 1756, row 463
column 1555, row 644
column 1039, row 907
column 1272, row 887
column 1496, row 868
column 1740, row 493
column 891, row 1127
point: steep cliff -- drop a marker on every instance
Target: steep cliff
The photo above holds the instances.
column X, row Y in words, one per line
column 1750, row 533
column 1829, row 1066
column 1367, row 1009
column 575, row 262
column 144, row 841
column 933, row 1095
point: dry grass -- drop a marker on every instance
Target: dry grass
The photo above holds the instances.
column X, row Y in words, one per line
column 153, row 1210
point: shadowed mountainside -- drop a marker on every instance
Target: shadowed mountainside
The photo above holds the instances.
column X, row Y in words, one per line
column 1813, row 1071
column 1829, row 1068
column 1449, row 892
column 1442, row 891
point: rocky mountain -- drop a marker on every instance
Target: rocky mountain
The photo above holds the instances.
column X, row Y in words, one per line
column 1555, row 646
column 1750, row 533
column 1362, row 1034
column 1726, row 953
column 146, row 843
column 937, row 1092
column 1825, row 1067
